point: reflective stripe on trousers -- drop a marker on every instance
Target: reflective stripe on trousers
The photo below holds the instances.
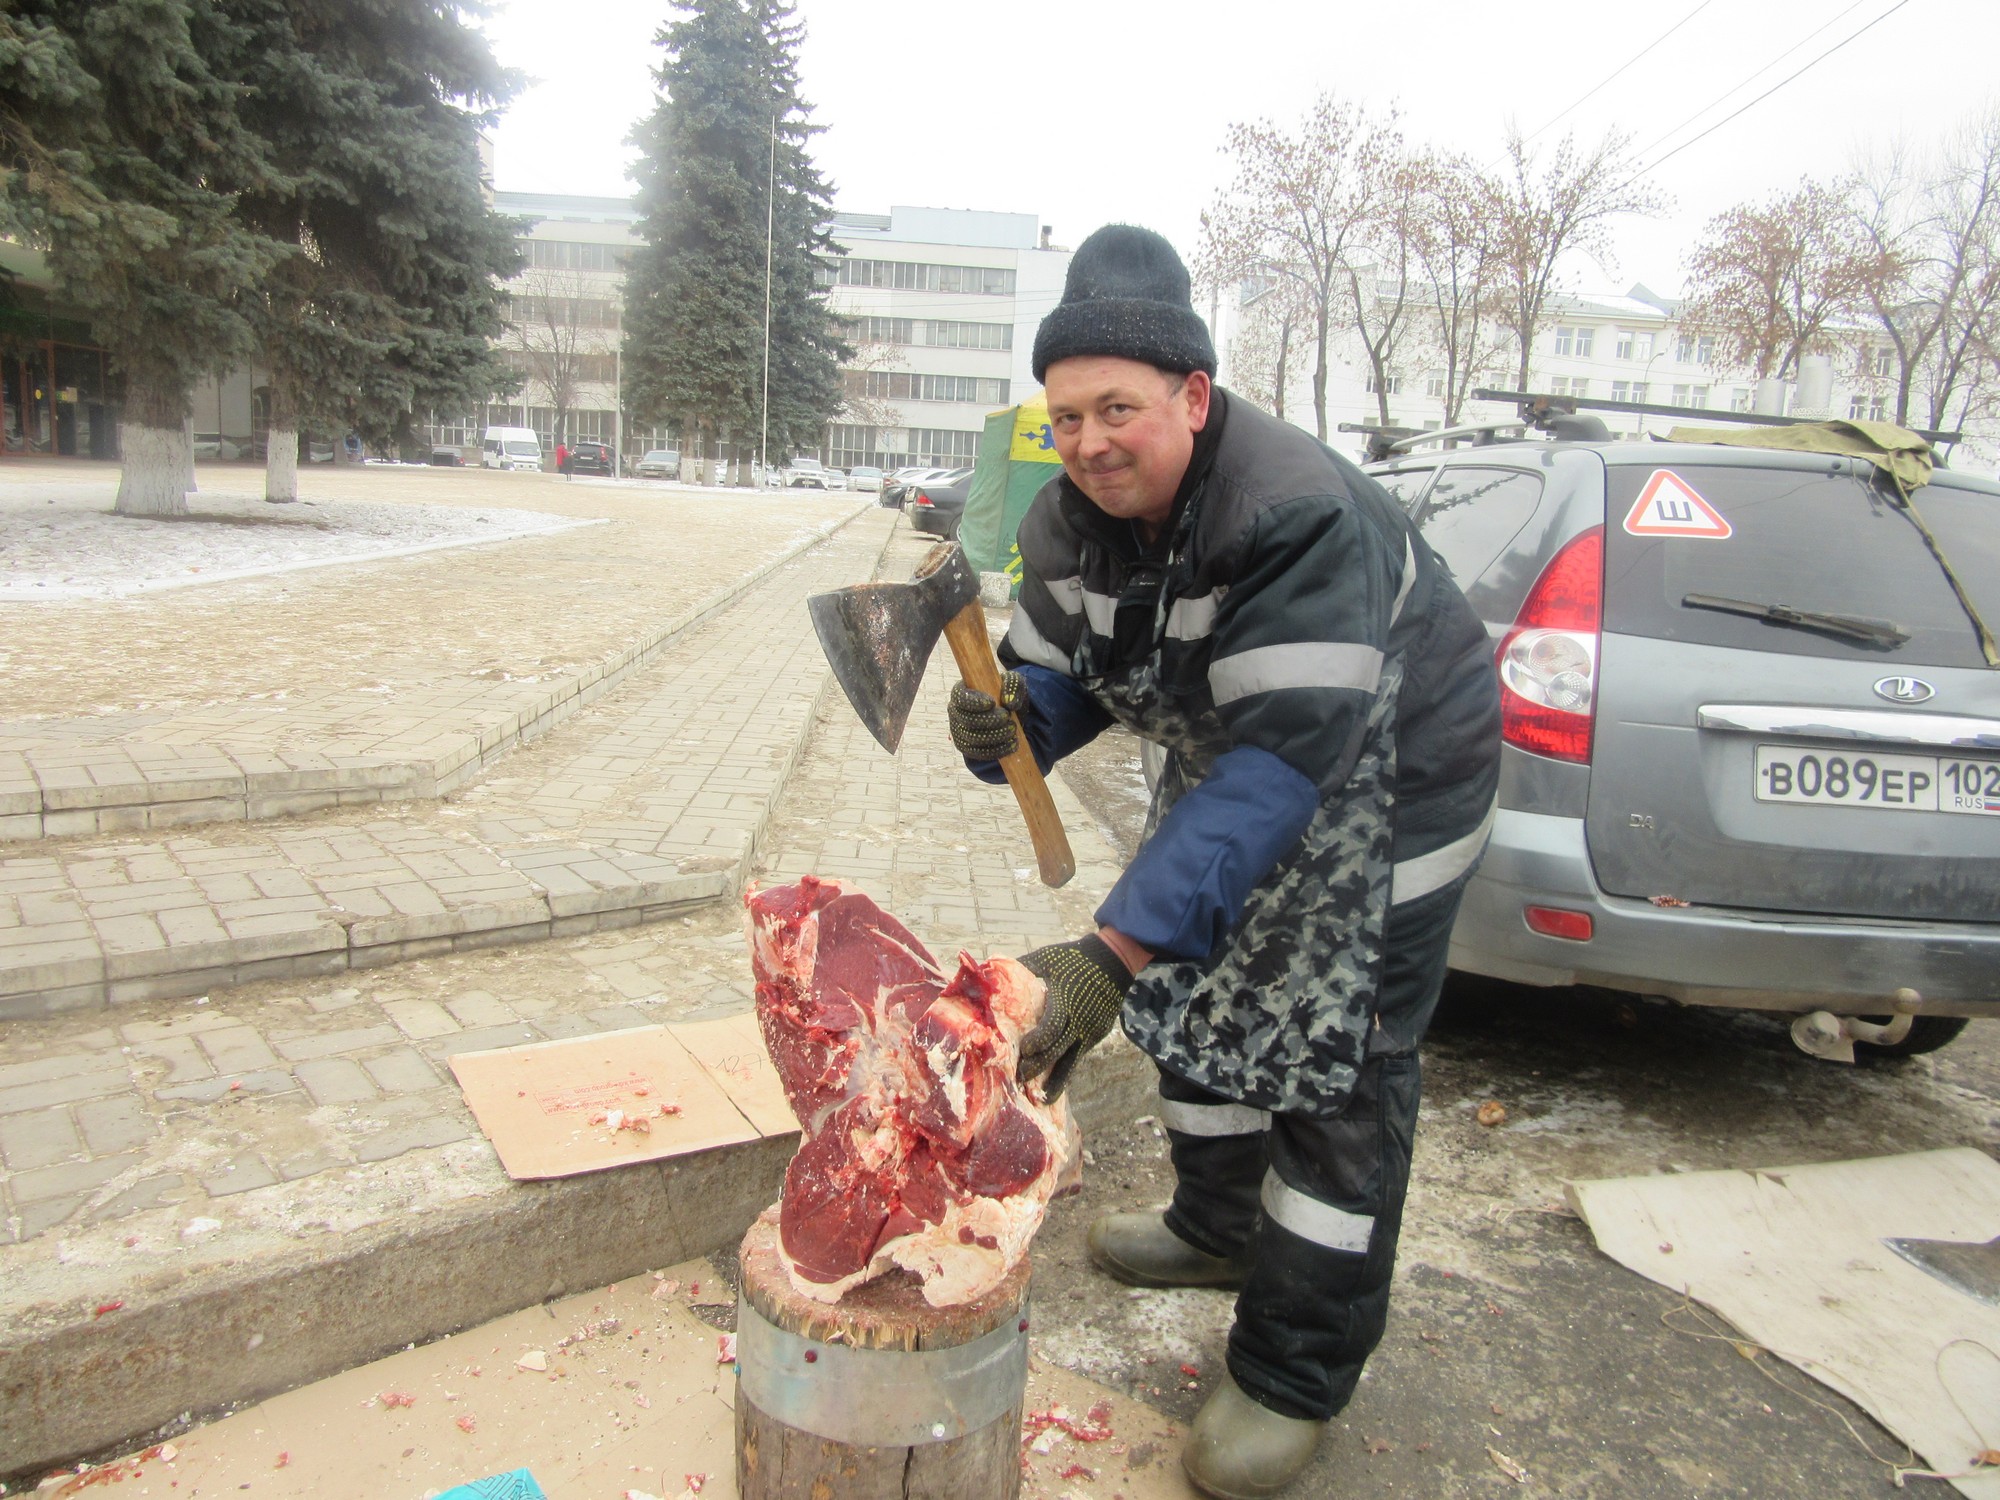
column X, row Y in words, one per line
column 1318, row 1202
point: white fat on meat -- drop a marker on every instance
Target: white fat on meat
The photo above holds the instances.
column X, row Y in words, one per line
column 862, row 1023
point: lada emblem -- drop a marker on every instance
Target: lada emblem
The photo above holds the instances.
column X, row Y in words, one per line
column 1905, row 690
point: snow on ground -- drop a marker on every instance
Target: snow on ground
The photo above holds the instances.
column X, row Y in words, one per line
column 60, row 541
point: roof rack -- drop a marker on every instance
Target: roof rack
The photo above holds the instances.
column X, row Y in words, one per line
column 1391, row 442
column 1542, row 412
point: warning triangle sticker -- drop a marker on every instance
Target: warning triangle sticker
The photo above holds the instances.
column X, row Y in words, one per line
column 1669, row 506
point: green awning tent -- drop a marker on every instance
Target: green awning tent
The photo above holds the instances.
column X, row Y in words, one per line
column 1017, row 456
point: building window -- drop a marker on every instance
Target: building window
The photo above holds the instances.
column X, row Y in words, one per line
column 1704, row 349
column 1393, row 385
column 1434, row 387
column 1571, row 339
column 1684, row 349
column 569, row 255
column 1579, row 385
column 932, row 333
column 1559, row 385
column 1621, row 390
column 1681, row 396
column 1885, row 361
column 891, row 448
column 1701, row 396
column 1639, row 389
column 1634, row 345
column 1739, row 398
column 561, row 312
column 896, row 385
column 910, row 276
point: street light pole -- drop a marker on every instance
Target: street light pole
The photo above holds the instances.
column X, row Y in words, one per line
column 764, row 407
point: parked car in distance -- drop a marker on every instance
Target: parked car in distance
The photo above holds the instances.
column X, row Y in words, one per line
column 215, row 445
column 803, row 474
column 510, row 448
column 588, row 457
column 447, row 458
column 1751, row 746
column 659, row 463
column 896, row 487
column 836, row 479
column 936, row 506
column 862, row 477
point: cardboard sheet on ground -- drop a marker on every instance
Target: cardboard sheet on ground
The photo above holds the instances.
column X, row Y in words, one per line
column 732, row 1050
column 1794, row 1257
column 642, row 1406
column 555, row 1109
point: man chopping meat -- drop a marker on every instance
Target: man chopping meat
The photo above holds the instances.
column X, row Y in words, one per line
column 1232, row 590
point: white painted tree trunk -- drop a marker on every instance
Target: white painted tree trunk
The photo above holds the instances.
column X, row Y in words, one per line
column 158, row 468
column 187, row 458
column 281, row 466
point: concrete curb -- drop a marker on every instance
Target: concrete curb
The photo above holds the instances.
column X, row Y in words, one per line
column 70, row 791
column 75, row 1385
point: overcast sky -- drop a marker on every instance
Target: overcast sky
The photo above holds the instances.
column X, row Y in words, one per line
column 1092, row 112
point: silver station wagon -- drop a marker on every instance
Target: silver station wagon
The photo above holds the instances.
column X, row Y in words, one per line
column 1752, row 741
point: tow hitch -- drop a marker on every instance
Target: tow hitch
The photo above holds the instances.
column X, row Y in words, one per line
column 1821, row 1033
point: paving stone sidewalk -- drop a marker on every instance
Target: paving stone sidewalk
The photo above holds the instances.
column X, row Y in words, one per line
column 358, row 684
column 655, row 800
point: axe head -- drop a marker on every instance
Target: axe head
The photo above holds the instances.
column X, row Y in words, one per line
column 878, row 636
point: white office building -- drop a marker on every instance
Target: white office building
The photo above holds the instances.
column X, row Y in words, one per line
column 943, row 305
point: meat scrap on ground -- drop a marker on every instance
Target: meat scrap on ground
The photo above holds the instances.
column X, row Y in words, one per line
column 920, row 1150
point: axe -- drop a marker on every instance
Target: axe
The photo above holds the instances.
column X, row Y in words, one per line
column 878, row 636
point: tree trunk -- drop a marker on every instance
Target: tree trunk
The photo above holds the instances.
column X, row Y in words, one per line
column 1319, row 376
column 1521, row 375
column 158, row 467
column 1284, row 366
column 281, row 449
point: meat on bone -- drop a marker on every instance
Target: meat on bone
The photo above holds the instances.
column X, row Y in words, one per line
column 919, row 1148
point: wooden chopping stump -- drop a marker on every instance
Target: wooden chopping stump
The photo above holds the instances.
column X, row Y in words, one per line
column 879, row 1396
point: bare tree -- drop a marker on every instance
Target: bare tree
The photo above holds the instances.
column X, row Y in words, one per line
column 1298, row 207
column 558, row 335
column 1457, row 220
column 869, row 393
column 1549, row 210
column 1268, row 342
column 1381, row 285
column 1933, row 229
column 1773, row 280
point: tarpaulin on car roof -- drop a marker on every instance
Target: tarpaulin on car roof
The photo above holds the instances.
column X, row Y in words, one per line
column 1898, row 452
column 1901, row 455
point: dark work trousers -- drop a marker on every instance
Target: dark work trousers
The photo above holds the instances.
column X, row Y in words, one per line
column 1318, row 1202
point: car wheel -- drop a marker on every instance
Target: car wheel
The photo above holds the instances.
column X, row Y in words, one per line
column 1927, row 1034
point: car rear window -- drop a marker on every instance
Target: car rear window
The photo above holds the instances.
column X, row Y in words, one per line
column 1473, row 512
column 1831, row 540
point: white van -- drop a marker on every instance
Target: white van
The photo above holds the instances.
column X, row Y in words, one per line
column 510, row 448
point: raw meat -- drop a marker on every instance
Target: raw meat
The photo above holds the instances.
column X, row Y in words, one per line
column 920, row 1150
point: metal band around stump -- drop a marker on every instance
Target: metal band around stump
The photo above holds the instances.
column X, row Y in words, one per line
column 881, row 1398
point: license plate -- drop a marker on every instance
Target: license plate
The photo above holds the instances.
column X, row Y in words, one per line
column 1894, row 783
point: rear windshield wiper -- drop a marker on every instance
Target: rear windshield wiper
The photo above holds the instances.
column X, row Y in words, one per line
column 1843, row 627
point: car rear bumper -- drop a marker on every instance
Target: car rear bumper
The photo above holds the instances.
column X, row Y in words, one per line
column 1707, row 955
column 928, row 520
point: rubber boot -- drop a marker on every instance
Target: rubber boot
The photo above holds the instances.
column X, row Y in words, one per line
column 1239, row 1450
column 1139, row 1250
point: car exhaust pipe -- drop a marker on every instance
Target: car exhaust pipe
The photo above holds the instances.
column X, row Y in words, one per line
column 1822, row 1034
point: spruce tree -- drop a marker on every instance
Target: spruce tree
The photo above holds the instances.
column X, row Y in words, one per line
column 129, row 157
column 371, row 110
column 694, row 309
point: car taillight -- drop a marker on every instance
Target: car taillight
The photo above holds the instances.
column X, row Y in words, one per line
column 1548, row 661
column 1554, row 921
column 922, row 499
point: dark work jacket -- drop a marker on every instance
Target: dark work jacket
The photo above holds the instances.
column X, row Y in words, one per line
column 1329, row 704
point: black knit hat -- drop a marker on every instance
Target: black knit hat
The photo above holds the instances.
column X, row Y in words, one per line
column 1126, row 295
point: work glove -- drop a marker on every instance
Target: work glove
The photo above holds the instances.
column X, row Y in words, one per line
column 1087, row 983
column 981, row 728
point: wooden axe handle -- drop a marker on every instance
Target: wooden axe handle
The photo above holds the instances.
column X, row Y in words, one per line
column 973, row 649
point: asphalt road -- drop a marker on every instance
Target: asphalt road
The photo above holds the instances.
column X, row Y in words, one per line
column 1509, row 1330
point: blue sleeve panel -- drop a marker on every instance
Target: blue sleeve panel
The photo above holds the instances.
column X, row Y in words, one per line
column 1185, row 888
column 1061, row 717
